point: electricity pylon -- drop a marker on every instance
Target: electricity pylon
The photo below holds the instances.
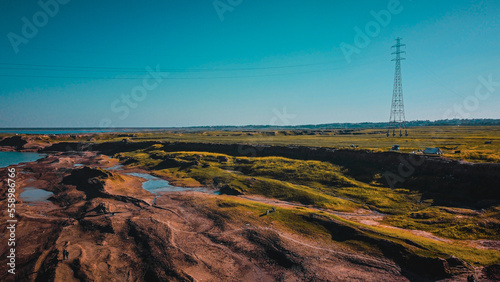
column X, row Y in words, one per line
column 397, row 118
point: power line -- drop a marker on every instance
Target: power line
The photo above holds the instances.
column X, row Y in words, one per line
column 169, row 78
column 135, row 69
column 79, row 51
column 164, row 70
column 142, row 72
column 438, row 79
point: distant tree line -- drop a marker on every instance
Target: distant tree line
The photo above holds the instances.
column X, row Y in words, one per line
column 359, row 125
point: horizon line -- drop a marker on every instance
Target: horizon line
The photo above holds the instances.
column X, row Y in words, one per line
column 248, row 125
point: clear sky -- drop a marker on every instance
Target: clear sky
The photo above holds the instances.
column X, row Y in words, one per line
column 76, row 63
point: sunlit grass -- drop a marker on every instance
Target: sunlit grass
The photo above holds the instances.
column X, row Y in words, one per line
column 314, row 183
column 452, row 222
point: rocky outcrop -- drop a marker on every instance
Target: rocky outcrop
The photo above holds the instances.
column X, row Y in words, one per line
column 228, row 190
column 88, row 180
column 405, row 252
column 101, row 225
column 493, row 272
column 109, row 148
column 92, row 181
column 168, row 163
column 223, row 159
column 17, row 142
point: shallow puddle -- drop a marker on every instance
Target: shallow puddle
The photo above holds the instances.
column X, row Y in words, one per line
column 12, row 158
column 33, row 194
column 115, row 167
column 154, row 184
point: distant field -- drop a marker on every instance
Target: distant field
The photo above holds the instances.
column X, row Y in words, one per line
column 470, row 143
column 457, row 142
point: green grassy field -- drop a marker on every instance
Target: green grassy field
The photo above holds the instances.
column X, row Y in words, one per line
column 317, row 184
column 457, row 142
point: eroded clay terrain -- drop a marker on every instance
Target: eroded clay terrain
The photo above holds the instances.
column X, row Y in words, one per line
column 114, row 230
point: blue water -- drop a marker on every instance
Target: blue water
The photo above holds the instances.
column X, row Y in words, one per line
column 11, row 158
column 57, row 131
column 154, row 184
column 32, row 194
column 73, row 130
column 115, row 167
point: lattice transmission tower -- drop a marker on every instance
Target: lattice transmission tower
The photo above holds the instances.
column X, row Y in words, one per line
column 397, row 119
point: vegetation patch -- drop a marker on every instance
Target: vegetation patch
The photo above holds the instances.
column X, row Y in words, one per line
column 452, row 222
column 314, row 183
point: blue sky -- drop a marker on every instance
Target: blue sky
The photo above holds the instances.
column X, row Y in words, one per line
column 256, row 62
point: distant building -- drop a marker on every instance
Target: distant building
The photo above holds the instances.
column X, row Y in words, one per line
column 433, row 151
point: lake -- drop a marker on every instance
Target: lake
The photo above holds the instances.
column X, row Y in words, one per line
column 12, row 158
